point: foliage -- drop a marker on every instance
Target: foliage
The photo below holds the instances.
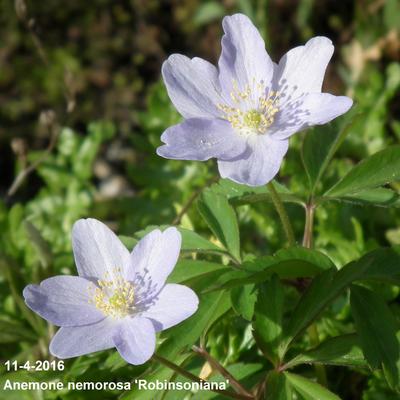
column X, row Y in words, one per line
column 320, row 323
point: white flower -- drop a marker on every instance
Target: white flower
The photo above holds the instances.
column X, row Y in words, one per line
column 243, row 112
column 120, row 299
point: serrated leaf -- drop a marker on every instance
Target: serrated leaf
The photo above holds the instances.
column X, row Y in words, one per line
column 340, row 350
column 267, row 324
column 380, row 264
column 317, row 296
column 242, row 194
column 243, row 299
column 292, row 263
column 377, row 328
column 221, row 218
column 379, row 197
column 308, row 389
column 377, row 170
column 277, row 387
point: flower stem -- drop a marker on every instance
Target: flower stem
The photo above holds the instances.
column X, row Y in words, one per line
column 312, row 329
column 217, row 366
column 195, row 378
column 280, row 208
column 308, row 227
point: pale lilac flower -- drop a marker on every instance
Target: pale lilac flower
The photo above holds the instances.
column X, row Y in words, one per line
column 244, row 111
column 120, row 299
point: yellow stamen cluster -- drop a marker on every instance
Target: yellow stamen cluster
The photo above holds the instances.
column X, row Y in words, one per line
column 261, row 108
column 114, row 296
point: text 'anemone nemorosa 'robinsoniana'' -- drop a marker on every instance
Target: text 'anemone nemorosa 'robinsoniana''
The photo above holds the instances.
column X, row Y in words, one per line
column 244, row 111
column 120, row 299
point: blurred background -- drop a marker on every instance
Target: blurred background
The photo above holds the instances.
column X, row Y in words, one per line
column 82, row 108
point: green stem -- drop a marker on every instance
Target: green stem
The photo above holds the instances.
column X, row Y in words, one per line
column 312, row 329
column 195, row 378
column 280, row 208
column 309, row 225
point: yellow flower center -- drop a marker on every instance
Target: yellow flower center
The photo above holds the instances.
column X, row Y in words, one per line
column 252, row 119
column 115, row 296
column 260, row 108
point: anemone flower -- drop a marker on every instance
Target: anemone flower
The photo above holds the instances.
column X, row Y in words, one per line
column 120, row 299
column 243, row 112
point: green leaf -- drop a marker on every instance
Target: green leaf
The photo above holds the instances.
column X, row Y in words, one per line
column 291, row 263
column 377, row 170
column 376, row 327
column 267, row 324
column 242, row 194
column 340, row 350
column 319, row 146
column 243, row 299
column 380, row 197
column 12, row 331
column 208, row 12
column 308, row 389
column 277, row 386
column 189, row 269
column 221, row 218
column 380, row 264
column 317, row 296
column 42, row 247
column 191, row 241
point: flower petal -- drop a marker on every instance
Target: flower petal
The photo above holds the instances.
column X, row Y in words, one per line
column 259, row 166
column 135, row 340
column 200, row 139
column 321, row 108
column 243, row 58
column 152, row 260
column 63, row 301
column 76, row 341
column 302, row 69
column 98, row 251
column 192, row 86
column 310, row 109
column 172, row 305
